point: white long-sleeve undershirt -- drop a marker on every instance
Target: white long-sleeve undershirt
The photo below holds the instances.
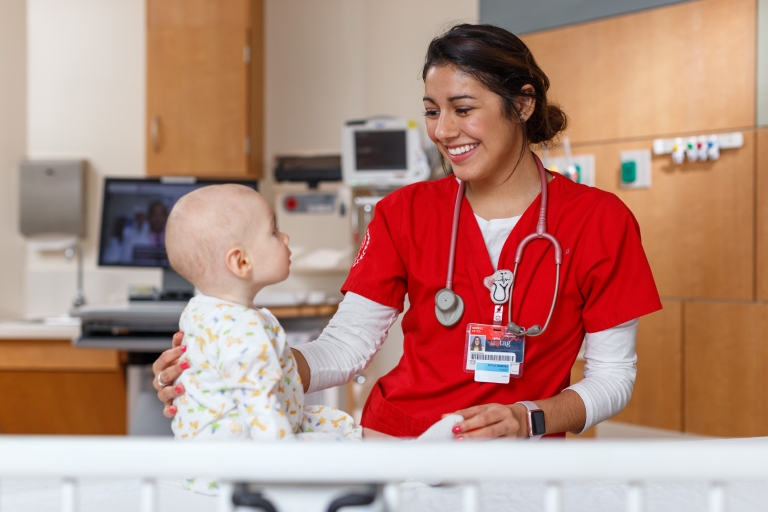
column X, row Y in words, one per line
column 359, row 327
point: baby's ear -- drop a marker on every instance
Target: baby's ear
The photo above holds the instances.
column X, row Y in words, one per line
column 238, row 263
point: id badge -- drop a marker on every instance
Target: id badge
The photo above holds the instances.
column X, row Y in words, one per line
column 490, row 351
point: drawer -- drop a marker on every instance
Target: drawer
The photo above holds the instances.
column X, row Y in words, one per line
column 55, row 356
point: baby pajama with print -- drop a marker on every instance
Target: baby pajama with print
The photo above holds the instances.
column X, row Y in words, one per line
column 242, row 383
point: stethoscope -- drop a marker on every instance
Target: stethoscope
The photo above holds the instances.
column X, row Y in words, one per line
column 449, row 307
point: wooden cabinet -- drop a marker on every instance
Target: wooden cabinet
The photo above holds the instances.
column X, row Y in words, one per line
column 204, row 88
column 51, row 387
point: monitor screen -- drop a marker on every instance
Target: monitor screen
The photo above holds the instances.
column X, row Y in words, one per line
column 133, row 217
column 380, row 150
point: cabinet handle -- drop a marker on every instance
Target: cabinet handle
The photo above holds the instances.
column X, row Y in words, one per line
column 154, row 133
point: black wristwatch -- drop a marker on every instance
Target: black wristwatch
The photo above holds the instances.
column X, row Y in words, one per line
column 536, row 427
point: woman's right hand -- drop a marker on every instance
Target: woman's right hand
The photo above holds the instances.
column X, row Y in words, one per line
column 167, row 369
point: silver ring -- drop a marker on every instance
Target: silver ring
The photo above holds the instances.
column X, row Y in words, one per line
column 160, row 381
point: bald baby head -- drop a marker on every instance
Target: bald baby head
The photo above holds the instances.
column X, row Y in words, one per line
column 206, row 224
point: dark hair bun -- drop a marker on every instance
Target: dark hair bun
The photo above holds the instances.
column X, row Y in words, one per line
column 545, row 123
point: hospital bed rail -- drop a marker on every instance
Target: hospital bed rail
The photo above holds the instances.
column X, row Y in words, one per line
column 467, row 464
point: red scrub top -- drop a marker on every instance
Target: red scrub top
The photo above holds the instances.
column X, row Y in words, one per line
column 605, row 281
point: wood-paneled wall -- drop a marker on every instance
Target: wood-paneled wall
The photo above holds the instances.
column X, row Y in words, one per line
column 726, row 369
column 682, row 70
column 659, row 383
column 696, row 220
column 761, row 184
column 688, row 67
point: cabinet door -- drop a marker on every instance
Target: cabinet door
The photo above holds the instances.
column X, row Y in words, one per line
column 50, row 387
column 197, row 87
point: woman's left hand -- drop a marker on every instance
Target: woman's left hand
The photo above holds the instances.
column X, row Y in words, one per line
column 490, row 421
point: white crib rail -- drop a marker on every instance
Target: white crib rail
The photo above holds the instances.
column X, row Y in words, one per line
column 552, row 463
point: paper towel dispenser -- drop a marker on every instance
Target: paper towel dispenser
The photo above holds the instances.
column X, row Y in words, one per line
column 52, row 197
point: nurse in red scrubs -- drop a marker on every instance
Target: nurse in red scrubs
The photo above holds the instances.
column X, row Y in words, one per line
column 485, row 105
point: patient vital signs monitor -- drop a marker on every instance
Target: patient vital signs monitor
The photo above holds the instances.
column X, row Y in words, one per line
column 382, row 153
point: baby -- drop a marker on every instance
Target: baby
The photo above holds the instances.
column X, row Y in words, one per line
column 241, row 380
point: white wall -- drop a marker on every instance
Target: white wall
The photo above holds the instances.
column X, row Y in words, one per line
column 333, row 60
column 13, row 100
column 326, row 61
column 86, row 83
column 762, row 63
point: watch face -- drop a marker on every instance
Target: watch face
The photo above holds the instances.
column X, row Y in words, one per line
column 537, row 423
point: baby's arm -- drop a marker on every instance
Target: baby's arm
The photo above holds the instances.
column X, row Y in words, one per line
column 252, row 371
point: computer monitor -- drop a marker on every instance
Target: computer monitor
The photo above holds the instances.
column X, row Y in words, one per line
column 383, row 153
column 133, row 216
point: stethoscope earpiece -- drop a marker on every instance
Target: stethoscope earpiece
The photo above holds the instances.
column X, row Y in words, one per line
column 521, row 331
column 448, row 307
column 515, row 329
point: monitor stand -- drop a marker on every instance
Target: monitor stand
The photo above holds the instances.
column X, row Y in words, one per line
column 176, row 287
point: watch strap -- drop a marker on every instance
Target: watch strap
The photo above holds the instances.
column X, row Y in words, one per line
column 531, row 407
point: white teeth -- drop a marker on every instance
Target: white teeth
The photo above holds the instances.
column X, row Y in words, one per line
column 461, row 149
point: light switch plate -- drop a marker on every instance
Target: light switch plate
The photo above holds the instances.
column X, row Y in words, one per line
column 642, row 159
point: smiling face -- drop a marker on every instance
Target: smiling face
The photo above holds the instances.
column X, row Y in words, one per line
column 466, row 121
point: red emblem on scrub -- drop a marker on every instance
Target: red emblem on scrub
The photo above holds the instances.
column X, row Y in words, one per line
column 363, row 247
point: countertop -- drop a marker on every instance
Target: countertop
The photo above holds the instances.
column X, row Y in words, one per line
column 54, row 328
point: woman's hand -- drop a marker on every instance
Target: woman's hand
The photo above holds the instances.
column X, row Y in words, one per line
column 168, row 369
column 490, row 421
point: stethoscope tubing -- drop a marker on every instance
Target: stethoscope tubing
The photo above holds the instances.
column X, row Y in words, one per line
column 454, row 235
column 540, row 234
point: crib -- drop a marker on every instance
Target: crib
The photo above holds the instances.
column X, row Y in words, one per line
column 393, row 476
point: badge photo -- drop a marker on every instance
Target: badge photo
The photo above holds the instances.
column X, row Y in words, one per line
column 477, row 343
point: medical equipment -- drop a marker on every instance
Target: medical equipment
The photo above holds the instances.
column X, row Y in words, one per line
column 698, row 148
column 577, row 168
column 318, row 223
column 449, row 306
column 311, row 169
column 382, row 152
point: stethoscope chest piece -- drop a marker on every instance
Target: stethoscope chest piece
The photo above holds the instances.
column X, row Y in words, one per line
column 448, row 307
